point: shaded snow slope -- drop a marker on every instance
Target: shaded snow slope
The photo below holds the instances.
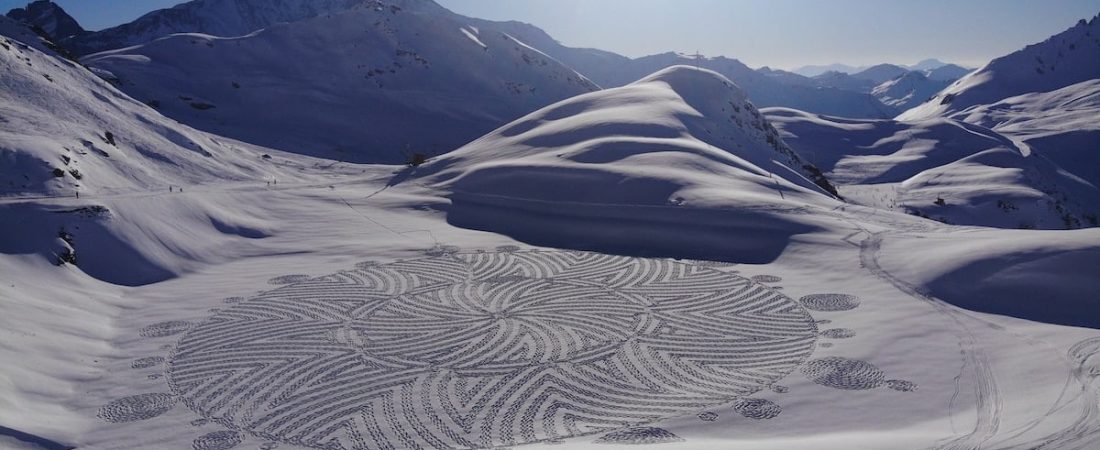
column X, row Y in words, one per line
column 908, row 90
column 1036, row 275
column 1064, row 59
column 1063, row 125
column 680, row 156
column 369, row 84
column 215, row 17
column 982, row 177
column 63, row 130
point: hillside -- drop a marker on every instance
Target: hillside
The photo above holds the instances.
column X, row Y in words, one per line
column 63, row 130
column 682, row 149
column 381, row 82
column 945, row 169
column 908, row 90
column 1067, row 58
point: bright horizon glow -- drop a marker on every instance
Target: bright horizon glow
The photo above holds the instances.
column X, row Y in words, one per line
column 782, row 34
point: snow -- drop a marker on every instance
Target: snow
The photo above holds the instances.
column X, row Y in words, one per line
column 381, row 82
column 667, row 152
column 897, row 332
column 1063, row 59
column 908, row 90
column 981, row 177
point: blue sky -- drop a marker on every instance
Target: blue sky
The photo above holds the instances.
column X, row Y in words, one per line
column 777, row 33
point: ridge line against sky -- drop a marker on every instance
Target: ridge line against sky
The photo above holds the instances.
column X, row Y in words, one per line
column 782, row 34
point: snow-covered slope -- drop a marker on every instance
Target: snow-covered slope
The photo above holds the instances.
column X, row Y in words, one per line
column 1063, row 125
column 1064, row 59
column 682, row 149
column 226, row 18
column 63, row 130
column 373, row 83
column 941, row 168
column 908, row 90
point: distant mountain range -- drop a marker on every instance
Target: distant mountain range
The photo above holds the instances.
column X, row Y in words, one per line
column 813, row 71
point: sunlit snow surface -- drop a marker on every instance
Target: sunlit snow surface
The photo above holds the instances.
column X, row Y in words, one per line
column 292, row 302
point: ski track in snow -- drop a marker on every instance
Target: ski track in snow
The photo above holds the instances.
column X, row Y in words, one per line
column 990, row 399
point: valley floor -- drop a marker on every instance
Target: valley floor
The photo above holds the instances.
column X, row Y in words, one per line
column 483, row 341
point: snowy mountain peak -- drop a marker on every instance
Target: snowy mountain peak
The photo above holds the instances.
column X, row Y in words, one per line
column 227, row 18
column 48, row 16
column 1070, row 57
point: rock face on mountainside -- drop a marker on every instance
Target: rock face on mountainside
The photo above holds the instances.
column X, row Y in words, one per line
column 50, row 18
column 680, row 155
column 373, row 83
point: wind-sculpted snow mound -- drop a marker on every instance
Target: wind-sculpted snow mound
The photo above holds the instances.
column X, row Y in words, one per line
column 678, row 160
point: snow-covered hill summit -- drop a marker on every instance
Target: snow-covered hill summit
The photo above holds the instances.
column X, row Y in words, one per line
column 681, row 156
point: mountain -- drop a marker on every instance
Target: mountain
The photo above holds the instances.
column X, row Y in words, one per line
column 1067, row 58
column 844, row 81
column 927, row 65
column 50, row 18
column 357, row 85
column 226, row 18
column 1061, row 125
column 947, row 72
column 679, row 156
column 944, row 169
column 813, row 71
column 881, row 73
column 765, row 87
column 908, row 90
column 63, row 130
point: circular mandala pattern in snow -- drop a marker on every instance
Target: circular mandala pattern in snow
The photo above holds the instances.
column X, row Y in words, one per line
column 137, row 407
column 830, row 302
column 757, row 408
column 488, row 349
column 640, row 436
column 843, row 373
column 218, row 440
